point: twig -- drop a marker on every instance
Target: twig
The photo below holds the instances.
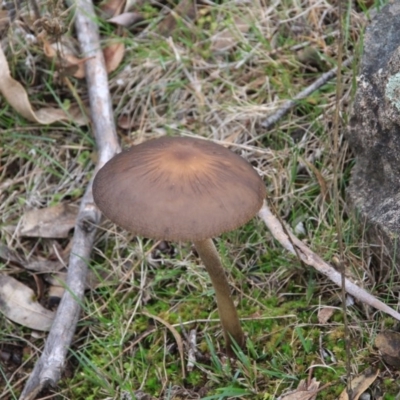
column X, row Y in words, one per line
column 48, row 368
column 288, row 105
column 192, row 344
column 312, row 259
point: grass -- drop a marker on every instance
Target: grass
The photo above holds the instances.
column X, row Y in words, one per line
column 186, row 86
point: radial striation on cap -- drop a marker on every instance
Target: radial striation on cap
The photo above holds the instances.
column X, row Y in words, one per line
column 178, row 189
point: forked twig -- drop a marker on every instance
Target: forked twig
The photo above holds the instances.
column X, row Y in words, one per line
column 48, row 368
column 312, row 259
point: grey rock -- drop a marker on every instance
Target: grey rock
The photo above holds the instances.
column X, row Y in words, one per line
column 374, row 131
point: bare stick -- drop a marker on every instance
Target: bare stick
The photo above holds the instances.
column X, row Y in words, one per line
column 288, row 105
column 312, row 259
column 192, row 344
column 48, row 368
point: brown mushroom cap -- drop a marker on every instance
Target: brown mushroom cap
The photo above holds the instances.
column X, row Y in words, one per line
column 178, row 189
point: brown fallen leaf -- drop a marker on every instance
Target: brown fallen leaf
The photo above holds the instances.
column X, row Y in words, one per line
column 388, row 343
column 50, row 222
column 17, row 303
column 127, row 19
column 360, row 384
column 305, row 391
column 324, row 314
column 124, row 121
column 185, row 9
column 4, row 20
column 228, row 38
column 63, row 56
column 17, row 97
column 42, row 266
column 112, row 8
column 113, row 55
column 9, row 256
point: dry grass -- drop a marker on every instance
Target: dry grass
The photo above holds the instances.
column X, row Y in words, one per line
column 187, row 85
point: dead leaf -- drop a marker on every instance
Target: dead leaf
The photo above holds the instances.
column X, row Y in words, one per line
column 388, row 343
column 228, row 38
column 232, row 137
column 124, row 121
column 127, row 19
column 9, row 256
column 324, row 314
column 305, row 391
column 17, row 303
column 50, row 222
column 17, row 97
column 112, row 8
column 113, row 55
column 42, row 266
column 360, row 384
column 185, row 9
column 64, row 57
column 4, row 20
column 256, row 83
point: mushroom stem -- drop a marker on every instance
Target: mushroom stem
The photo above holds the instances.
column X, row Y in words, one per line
column 226, row 309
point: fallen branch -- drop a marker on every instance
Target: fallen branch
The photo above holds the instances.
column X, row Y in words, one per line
column 48, row 368
column 288, row 105
column 312, row 259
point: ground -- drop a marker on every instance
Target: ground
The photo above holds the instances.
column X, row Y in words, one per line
column 219, row 75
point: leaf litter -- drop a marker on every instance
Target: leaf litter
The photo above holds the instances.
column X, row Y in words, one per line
column 59, row 50
column 305, row 391
column 184, row 10
column 17, row 97
column 145, row 83
column 17, row 303
column 360, row 384
column 50, row 222
column 9, row 256
column 127, row 19
column 388, row 344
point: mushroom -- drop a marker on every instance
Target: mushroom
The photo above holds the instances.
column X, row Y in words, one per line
column 183, row 189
